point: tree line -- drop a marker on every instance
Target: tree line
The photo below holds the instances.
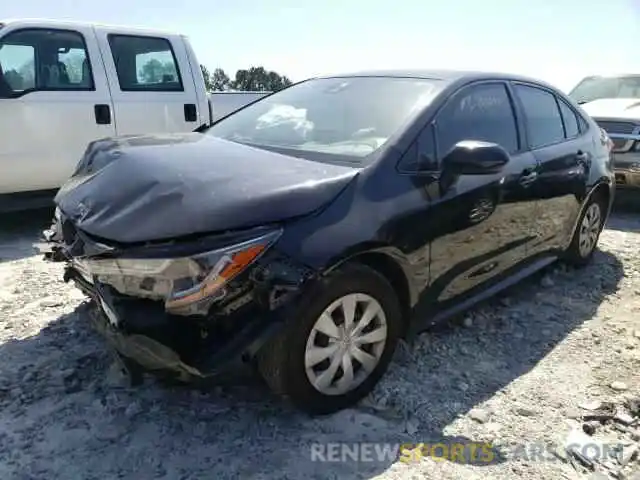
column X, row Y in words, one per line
column 154, row 71
column 251, row 79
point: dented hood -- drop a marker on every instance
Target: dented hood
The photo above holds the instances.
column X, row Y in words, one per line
column 613, row 108
column 145, row 188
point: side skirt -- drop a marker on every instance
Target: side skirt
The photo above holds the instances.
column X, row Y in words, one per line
column 422, row 322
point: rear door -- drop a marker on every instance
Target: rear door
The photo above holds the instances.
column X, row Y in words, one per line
column 152, row 85
column 54, row 101
column 557, row 136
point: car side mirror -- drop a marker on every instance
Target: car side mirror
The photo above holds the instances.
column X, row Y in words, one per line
column 474, row 157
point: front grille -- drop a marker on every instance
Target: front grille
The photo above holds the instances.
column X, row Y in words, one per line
column 626, row 128
column 619, row 143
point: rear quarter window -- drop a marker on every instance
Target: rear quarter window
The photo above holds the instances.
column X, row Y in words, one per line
column 570, row 120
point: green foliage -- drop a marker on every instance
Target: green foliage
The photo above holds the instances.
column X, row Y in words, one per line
column 252, row 79
column 207, row 78
column 220, row 80
column 14, row 79
column 154, row 71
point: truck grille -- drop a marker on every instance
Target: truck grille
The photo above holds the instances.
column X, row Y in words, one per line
column 617, row 127
column 619, row 143
column 613, row 127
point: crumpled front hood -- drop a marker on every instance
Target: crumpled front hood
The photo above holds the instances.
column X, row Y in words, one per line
column 614, row 108
column 145, row 188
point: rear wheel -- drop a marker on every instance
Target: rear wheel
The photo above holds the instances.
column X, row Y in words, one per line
column 340, row 344
column 585, row 238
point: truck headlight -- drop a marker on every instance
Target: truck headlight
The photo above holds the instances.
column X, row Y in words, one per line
column 187, row 285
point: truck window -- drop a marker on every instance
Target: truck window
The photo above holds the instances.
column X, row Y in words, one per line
column 596, row 88
column 43, row 59
column 145, row 64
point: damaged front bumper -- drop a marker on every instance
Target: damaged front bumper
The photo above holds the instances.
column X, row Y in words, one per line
column 187, row 346
column 146, row 352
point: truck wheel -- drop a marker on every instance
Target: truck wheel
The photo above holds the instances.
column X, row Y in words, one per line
column 585, row 238
column 340, row 344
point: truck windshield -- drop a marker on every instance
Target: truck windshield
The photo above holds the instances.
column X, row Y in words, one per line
column 595, row 88
column 346, row 118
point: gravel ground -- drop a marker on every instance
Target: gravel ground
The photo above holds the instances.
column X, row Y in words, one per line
column 512, row 372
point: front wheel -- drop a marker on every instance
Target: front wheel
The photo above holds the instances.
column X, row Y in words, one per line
column 585, row 238
column 341, row 343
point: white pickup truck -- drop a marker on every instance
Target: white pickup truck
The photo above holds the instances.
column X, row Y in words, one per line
column 65, row 84
column 613, row 101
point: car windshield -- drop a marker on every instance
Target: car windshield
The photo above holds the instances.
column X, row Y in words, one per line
column 343, row 119
column 595, row 88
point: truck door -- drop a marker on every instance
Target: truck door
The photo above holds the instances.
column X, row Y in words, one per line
column 151, row 82
column 54, row 100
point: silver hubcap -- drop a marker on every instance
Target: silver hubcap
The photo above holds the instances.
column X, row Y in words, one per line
column 345, row 344
column 589, row 229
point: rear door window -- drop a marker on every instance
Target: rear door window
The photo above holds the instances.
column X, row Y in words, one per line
column 145, row 64
column 543, row 118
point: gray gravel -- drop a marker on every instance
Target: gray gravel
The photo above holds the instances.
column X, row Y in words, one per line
column 510, row 372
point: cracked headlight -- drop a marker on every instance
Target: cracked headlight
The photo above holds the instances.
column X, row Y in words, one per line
column 187, row 285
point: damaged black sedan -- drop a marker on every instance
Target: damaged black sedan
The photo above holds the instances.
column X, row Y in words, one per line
column 311, row 230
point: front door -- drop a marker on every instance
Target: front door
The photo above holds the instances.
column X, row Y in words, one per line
column 152, row 85
column 51, row 85
column 480, row 225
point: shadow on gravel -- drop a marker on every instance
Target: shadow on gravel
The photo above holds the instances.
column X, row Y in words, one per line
column 624, row 221
column 627, row 201
column 19, row 230
column 68, row 420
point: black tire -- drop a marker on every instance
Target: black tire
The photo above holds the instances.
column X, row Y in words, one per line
column 281, row 361
column 573, row 254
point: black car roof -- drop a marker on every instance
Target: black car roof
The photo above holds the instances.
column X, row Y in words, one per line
column 448, row 76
